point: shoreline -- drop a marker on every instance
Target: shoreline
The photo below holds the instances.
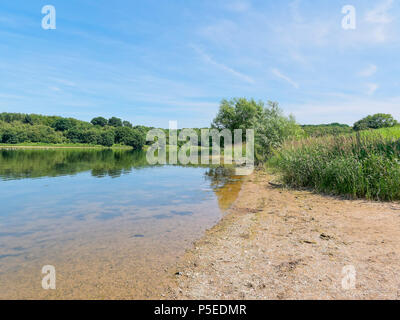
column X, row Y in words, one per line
column 10, row 147
column 278, row 243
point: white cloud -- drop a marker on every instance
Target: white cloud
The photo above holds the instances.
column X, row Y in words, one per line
column 369, row 71
column 371, row 88
column 380, row 18
column 280, row 75
column 380, row 13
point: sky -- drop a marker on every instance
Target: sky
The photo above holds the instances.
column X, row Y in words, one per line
column 153, row 61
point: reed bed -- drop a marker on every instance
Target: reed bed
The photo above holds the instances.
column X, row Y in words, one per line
column 359, row 165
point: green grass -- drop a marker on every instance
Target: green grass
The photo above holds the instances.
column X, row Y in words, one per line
column 359, row 165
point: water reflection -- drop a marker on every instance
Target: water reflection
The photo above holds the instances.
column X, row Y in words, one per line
column 87, row 206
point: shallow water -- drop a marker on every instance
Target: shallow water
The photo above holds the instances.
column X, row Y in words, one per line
column 111, row 225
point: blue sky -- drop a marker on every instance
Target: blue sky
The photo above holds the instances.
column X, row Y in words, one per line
column 158, row 60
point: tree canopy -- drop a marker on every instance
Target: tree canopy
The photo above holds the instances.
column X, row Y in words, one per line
column 376, row 121
column 21, row 128
column 271, row 126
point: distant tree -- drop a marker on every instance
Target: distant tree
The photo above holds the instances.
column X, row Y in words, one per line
column 271, row 126
column 127, row 124
column 122, row 134
column 107, row 138
column 74, row 135
column 62, row 124
column 115, row 122
column 238, row 113
column 91, row 136
column 320, row 130
column 136, row 140
column 376, row 121
column 28, row 119
column 99, row 121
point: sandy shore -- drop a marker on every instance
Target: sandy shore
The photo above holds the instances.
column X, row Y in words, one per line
column 277, row 243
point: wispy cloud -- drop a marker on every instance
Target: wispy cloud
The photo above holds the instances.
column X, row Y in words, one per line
column 238, row 5
column 368, row 71
column 380, row 14
column 371, row 88
column 380, row 19
column 208, row 59
column 280, row 75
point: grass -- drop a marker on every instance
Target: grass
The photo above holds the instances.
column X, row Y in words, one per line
column 359, row 165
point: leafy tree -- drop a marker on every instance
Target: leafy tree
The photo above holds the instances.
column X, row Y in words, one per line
column 127, row 124
column 74, row 135
column 115, row 122
column 63, row 124
column 136, row 140
column 99, row 121
column 376, row 121
column 106, row 138
column 238, row 113
column 28, row 119
column 271, row 126
column 272, row 129
column 122, row 134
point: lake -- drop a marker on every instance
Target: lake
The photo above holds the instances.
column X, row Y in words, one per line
column 111, row 225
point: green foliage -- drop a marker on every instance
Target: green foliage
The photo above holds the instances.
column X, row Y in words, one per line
column 376, row 121
column 136, row 140
column 115, row 122
column 99, row 121
column 31, row 128
column 127, row 124
column 63, row 124
column 271, row 126
column 326, row 129
column 272, row 129
column 365, row 164
column 238, row 113
column 106, row 138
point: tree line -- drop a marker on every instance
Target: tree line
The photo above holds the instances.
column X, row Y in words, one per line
column 32, row 128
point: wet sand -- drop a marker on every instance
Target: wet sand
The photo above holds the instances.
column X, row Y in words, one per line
column 278, row 243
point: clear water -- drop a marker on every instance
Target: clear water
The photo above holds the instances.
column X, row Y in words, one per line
column 109, row 223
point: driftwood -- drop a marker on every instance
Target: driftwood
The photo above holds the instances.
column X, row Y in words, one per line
column 276, row 185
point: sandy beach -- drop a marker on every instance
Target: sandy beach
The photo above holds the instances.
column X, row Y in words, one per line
column 277, row 243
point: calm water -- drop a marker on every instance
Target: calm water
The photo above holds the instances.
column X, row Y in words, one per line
column 110, row 224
